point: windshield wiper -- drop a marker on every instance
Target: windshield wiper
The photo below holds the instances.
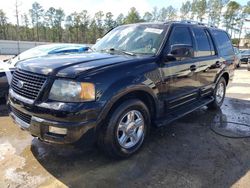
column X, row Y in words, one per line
column 120, row 51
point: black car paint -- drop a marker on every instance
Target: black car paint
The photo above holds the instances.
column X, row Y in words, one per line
column 167, row 85
column 3, row 84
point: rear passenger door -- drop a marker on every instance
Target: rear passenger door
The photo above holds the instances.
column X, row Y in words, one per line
column 208, row 60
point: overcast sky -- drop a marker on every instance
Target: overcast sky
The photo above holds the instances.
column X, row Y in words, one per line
column 92, row 6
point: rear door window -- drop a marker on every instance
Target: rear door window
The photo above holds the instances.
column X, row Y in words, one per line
column 203, row 43
column 224, row 43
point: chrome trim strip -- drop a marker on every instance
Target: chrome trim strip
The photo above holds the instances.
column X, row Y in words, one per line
column 19, row 122
column 20, row 98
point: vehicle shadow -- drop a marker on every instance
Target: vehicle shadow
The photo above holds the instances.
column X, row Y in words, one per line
column 186, row 153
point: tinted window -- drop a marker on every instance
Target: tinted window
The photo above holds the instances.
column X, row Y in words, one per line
column 139, row 39
column 224, row 43
column 204, row 42
column 211, row 43
column 181, row 35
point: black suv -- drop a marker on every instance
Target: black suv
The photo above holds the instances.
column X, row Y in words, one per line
column 136, row 76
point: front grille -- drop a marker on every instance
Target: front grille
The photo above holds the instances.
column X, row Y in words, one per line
column 24, row 117
column 31, row 84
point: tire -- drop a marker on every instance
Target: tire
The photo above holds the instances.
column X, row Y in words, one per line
column 114, row 138
column 219, row 94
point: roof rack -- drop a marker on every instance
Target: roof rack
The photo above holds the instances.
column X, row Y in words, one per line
column 197, row 23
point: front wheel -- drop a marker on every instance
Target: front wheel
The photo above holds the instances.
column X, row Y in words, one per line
column 126, row 129
column 219, row 94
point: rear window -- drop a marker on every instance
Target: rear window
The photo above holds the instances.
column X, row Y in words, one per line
column 224, row 43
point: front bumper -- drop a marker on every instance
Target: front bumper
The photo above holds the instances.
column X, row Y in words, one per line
column 28, row 119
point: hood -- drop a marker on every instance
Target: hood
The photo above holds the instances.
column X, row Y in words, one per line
column 70, row 65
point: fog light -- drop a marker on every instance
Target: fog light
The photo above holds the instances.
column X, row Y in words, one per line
column 57, row 130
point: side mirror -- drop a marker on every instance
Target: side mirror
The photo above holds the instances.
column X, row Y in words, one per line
column 179, row 52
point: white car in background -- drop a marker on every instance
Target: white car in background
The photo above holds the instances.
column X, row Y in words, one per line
column 7, row 67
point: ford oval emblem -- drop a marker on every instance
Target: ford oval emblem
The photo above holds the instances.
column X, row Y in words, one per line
column 20, row 84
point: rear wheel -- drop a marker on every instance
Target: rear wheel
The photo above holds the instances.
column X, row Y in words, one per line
column 219, row 94
column 126, row 129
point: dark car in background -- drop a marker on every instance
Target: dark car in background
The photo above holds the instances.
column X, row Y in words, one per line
column 137, row 76
column 8, row 66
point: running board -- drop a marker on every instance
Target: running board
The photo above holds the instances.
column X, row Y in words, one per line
column 182, row 111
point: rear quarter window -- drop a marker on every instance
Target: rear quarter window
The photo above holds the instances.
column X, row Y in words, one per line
column 225, row 46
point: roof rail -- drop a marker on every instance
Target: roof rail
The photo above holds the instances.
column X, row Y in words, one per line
column 198, row 23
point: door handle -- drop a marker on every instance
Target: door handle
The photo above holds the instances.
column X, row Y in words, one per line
column 193, row 68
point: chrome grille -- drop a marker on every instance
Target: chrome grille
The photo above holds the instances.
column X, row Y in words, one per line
column 24, row 117
column 31, row 84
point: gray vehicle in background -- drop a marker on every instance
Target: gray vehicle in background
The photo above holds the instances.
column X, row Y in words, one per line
column 238, row 57
column 245, row 55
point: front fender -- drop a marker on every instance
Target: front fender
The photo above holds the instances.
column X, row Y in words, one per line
column 220, row 75
column 123, row 87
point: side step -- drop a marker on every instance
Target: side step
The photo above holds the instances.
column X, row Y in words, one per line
column 182, row 111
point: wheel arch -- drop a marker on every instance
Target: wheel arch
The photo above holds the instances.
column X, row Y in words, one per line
column 225, row 75
column 142, row 94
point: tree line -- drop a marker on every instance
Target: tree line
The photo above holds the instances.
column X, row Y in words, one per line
column 53, row 25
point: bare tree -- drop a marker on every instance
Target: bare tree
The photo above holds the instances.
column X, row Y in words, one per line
column 17, row 24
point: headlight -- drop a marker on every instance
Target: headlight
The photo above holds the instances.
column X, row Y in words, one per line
column 70, row 91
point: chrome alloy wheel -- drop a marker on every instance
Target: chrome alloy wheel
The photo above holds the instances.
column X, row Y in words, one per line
column 220, row 92
column 130, row 129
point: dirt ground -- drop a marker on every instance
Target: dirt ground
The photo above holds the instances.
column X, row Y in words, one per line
column 4, row 57
column 186, row 153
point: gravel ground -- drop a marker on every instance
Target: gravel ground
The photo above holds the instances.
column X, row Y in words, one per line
column 186, row 153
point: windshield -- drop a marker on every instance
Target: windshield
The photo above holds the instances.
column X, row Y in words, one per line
column 246, row 52
column 136, row 39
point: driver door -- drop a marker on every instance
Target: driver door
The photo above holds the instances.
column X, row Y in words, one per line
column 179, row 70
